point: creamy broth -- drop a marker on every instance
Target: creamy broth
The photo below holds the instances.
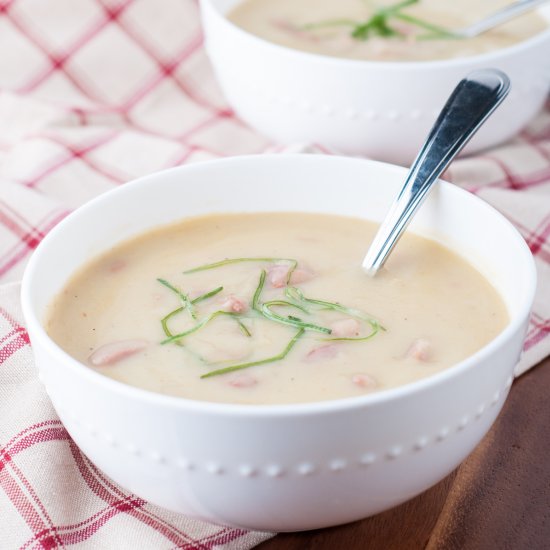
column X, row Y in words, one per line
column 294, row 23
column 425, row 311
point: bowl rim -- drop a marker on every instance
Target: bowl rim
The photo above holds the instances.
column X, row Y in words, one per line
column 41, row 339
column 447, row 63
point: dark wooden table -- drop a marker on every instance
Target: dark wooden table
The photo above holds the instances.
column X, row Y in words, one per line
column 498, row 499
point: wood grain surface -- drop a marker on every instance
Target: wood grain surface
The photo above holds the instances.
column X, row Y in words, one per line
column 498, row 499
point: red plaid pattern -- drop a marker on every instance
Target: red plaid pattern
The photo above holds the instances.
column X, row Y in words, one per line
column 515, row 178
column 85, row 89
column 51, row 496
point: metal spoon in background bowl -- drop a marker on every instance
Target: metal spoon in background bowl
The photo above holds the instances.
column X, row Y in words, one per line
column 498, row 18
column 468, row 107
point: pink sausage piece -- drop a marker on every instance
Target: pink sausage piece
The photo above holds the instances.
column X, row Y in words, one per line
column 322, row 353
column 420, row 349
column 277, row 275
column 345, row 328
column 300, row 276
column 112, row 353
column 365, row 381
column 234, row 304
column 117, row 265
column 243, row 381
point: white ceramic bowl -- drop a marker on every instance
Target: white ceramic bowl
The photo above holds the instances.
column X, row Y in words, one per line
column 280, row 467
column 380, row 109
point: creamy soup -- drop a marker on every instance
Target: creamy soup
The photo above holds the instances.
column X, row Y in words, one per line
column 346, row 28
column 272, row 308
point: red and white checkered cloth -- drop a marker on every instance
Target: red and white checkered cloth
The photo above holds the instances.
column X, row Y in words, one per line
column 97, row 92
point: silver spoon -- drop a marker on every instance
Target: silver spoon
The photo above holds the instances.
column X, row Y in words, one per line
column 499, row 17
column 468, row 107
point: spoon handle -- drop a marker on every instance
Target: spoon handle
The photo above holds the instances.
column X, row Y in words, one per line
column 470, row 104
column 505, row 14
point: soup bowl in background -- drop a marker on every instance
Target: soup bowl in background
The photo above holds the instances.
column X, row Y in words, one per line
column 359, row 107
column 280, row 467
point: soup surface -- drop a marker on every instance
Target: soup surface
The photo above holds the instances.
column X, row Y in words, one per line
column 278, row 311
column 344, row 28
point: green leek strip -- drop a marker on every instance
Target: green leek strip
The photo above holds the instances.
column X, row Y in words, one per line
column 352, row 312
column 373, row 21
column 258, row 292
column 438, row 32
column 284, row 303
column 170, row 334
column 292, row 321
column 199, row 325
column 375, row 330
column 293, row 264
column 391, row 10
column 183, row 297
column 378, row 24
column 207, row 295
column 164, row 320
column 278, row 357
column 243, row 327
column 201, row 298
column 296, row 294
column 298, row 302
column 264, row 309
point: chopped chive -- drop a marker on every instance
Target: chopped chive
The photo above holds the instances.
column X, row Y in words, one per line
column 183, row 297
column 278, row 357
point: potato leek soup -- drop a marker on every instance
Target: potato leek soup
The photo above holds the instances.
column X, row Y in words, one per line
column 382, row 30
column 272, row 308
